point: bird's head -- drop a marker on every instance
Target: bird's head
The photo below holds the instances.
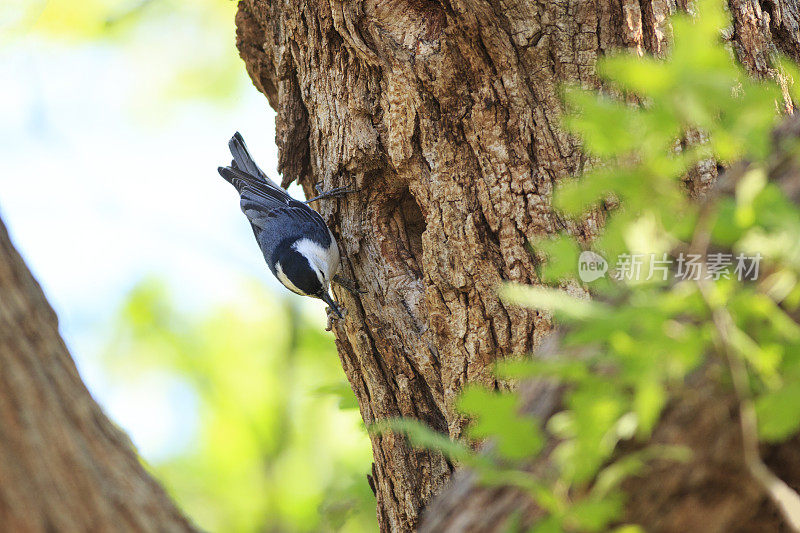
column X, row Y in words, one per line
column 306, row 271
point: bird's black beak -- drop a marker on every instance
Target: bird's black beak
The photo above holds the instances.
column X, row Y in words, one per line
column 326, row 297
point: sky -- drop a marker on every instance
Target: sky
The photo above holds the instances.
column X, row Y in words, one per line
column 101, row 188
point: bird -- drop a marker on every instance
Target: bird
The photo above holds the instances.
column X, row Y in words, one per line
column 297, row 244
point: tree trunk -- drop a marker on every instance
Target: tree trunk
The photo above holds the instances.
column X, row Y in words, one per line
column 63, row 465
column 445, row 115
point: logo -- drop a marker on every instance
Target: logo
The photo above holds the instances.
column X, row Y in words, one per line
column 591, row 266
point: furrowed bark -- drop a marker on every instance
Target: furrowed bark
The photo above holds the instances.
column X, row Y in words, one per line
column 63, row 465
column 444, row 114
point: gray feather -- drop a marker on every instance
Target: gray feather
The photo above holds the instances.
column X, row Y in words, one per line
column 275, row 216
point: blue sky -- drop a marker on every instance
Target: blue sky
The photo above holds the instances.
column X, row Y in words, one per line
column 100, row 188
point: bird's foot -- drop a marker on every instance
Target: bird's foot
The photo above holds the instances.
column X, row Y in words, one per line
column 336, row 192
column 334, row 315
column 351, row 286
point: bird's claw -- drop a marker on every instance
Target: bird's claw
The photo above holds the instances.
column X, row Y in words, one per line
column 349, row 285
column 336, row 192
column 334, row 315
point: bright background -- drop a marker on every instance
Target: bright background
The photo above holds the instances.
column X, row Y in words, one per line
column 114, row 116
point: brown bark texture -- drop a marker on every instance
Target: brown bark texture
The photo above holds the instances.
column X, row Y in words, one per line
column 63, row 465
column 444, row 114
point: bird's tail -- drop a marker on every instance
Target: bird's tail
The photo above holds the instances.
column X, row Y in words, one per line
column 242, row 158
column 239, row 179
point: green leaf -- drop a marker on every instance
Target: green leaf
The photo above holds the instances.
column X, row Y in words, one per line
column 596, row 410
column 342, row 391
column 496, row 416
column 556, row 301
column 778, row 413
column 596, row 514
column 628, row 528
column 791, row 72
column 611, row 477
column 567, row 370
column 646, row 76
column 607, row 127
column 561, row 255
column 747, row 190
column 649, row 399
column 549, row 524
column 422, row 436
column 575, row 196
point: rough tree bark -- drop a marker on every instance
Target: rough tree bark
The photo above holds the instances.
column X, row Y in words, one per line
column 63, row 465
column 444, row 114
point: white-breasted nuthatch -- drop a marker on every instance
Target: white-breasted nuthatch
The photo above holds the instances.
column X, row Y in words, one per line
column 298, row 246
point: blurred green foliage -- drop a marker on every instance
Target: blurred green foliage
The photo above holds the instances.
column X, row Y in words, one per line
column 273, row 450
column 278, row 443
column 625, row 353
column 179, row 49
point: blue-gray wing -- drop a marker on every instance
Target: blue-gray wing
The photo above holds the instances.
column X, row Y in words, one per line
column 248, row 185
column 287, row 224
column 292, row 217
column 258, row 201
